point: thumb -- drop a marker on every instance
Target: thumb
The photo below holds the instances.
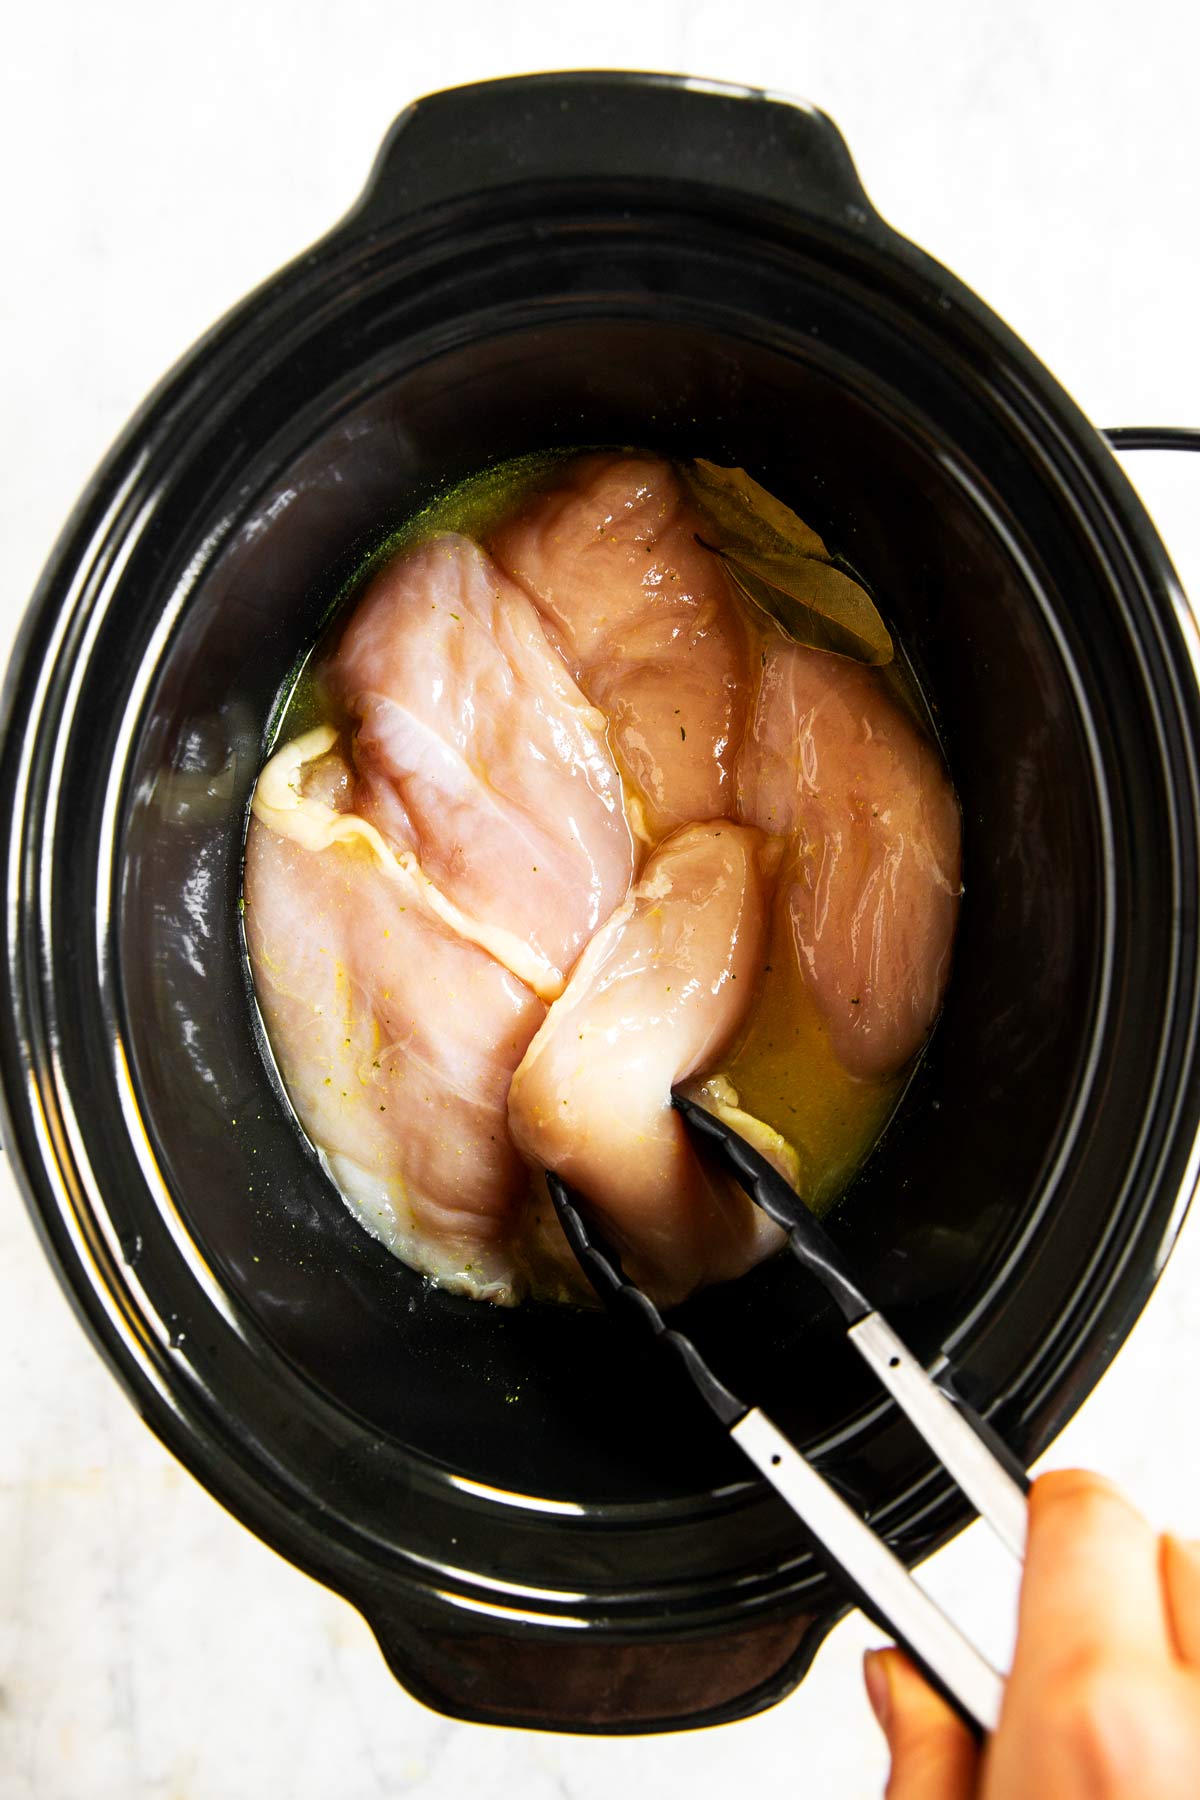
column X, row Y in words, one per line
column 934, row 1756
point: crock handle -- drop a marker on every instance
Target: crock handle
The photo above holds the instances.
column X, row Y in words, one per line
column 612, row 126
column 570, row 1681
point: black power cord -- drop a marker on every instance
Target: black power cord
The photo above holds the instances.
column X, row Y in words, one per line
column 1153, row 437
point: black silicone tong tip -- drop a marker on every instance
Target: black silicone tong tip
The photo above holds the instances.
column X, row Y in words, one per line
column 808, row 1241
column 602, row 1266
column 598, row 1260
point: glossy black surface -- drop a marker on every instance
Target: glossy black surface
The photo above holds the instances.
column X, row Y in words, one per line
column 542, row 1524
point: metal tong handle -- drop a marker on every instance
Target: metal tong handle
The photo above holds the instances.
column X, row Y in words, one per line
column 876, row 1578
column 873, row 1576
column 954, row 1432
column 964, row 1444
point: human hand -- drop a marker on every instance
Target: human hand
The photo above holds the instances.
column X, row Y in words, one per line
column 1103, row 1702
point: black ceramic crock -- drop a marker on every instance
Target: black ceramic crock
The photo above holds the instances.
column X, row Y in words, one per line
column 537, row 1520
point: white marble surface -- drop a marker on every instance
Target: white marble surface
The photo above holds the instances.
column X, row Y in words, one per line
column 157, row 162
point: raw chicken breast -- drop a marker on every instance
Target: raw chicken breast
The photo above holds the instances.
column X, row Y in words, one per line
column 452, row 852
column 476, row 750
column 396, row 1039
column 874, row 887
column 644, row 617
column 655, row 998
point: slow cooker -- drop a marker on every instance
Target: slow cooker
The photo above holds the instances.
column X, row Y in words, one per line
column 534, row 1516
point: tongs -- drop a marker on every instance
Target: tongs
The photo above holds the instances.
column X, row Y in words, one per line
column 964, row 1444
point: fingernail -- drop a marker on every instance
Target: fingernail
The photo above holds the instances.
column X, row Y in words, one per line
column 879, row 1691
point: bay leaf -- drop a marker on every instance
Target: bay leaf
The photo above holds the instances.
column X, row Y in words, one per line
column 814, row 602
column 782, row 566
column 746, row 516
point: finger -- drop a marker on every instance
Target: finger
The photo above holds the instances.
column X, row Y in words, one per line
column 934, row 1756
column 1091, row 1579
column 1181, row 1585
